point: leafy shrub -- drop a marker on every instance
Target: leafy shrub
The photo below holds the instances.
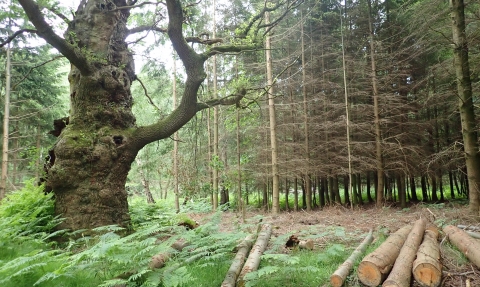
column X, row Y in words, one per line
column 27, row 223
column 27, row 212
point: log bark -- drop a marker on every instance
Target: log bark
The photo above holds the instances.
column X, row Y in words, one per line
column 427, row 269
column 469, row 227
column 253, row 260
column 473, row 234
column 339, row 276
column 401, row 273
column 159, row 260
column 237, row 264
column 306, row 244
column 375, row 267
column 469, row 246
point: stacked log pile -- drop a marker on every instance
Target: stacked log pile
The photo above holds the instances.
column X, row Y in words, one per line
column 412, row 251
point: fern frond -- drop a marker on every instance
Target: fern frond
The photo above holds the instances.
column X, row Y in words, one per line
column 113, row 283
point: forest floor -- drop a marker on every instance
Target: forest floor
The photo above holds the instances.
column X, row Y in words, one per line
column 356, row 223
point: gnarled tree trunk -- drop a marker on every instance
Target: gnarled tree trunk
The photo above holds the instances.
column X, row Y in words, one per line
column 88, row 166
column 90, row 161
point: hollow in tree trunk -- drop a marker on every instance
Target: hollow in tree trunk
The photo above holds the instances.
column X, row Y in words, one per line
column 88, row 165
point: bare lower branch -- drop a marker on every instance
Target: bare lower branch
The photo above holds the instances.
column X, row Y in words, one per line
column 233, row 99
column 259, row 17
column 140, row 29
column 45, row 31
column 14, row 35
column 59, row 15
column 229, row 49
column 33, row 68
column 203, row 41
column 274, row 23
column 146, row 94
column 136, row 6
column 193, row 4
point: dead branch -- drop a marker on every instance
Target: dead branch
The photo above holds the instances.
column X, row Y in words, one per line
column 146, row 94
column 144, row 28
column 225, row 101
column 14, row 35
column 138, row 5
column 33, row 68
column 45, row 31
column 199, row 40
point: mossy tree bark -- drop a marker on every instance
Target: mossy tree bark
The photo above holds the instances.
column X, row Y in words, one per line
column 88, row 166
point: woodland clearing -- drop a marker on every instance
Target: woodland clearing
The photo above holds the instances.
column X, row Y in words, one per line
column 356, row 223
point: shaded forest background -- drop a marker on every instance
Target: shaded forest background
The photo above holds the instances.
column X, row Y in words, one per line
column 320, row 50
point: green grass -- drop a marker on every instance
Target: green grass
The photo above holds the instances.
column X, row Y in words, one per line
column 309, row 268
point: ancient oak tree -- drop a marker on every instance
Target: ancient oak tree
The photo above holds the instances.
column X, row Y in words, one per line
column 98, row 141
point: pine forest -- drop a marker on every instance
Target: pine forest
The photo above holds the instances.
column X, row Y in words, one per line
column 174, row 143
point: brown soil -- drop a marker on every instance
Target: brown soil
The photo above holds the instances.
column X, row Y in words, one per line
column 359, row 221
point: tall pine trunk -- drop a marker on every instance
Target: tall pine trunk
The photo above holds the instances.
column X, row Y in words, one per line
column 216, row 156
column 273, row 124
column 6, row 121
column 308, row 186
column 467, row 113
column 376, row 111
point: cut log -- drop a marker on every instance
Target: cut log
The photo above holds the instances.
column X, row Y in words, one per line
column 469, row 246
column 306, row 244
column 237, row 264
column 401, row 273
column 469, row 227
column 433, row 228
column 253, row 260
column 159, row 260
column 339, row 276
column 475, row 235
column 427, row 269
column 375, row 267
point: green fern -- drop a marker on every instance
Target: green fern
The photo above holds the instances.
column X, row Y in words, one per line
column 28, row 258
